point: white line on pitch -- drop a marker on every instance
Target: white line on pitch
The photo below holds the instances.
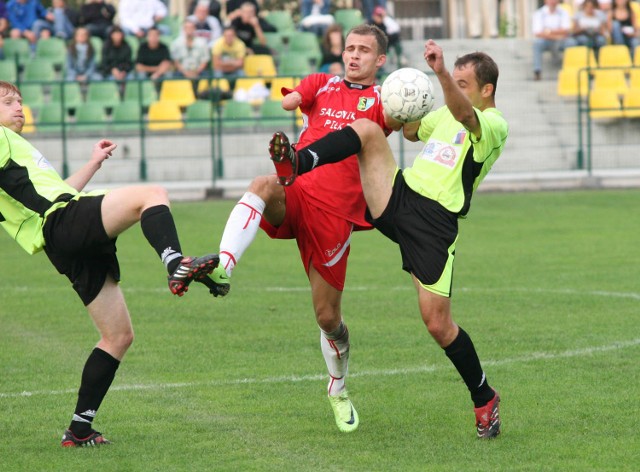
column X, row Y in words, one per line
column 531, row 357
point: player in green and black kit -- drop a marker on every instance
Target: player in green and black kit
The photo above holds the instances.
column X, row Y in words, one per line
column 419, row 207
column 78, row 232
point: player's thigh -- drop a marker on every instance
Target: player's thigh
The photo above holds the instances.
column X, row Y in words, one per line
column 122, row 207
column 267, row 188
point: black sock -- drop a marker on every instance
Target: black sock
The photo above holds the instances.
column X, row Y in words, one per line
column 160, row 230
column 97, row 375
column 464, row 357
column 334, row 147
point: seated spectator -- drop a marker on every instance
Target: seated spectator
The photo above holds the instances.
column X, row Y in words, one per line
column 623, row 25
column 228, row 55
column 81, row 58
column 214, row 7
column 589, row 27
column 390, row 26
column 117, row 63
column 4, row 22
column 551, row 26
column 249, row 28
column 234, row 5
column 22, row 14
column 207, row 27
column 332, row 47
column 153, row 60
column 97, row 16
column 190, row 53
column 61, row 21
column 137, row 16
column 316, row 16
column 368, row 6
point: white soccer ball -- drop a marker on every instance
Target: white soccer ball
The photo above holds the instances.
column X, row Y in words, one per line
column 407, row 94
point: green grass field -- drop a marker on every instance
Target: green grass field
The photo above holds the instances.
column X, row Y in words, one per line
column 546, row 284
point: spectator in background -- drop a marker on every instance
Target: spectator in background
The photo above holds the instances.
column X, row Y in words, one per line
column 316, row 16
column 392, row 29
column 482, row 18
column 153, row 60
column 4, row 22
column 228, row 55
column 233, row 5
column 589, row 27
column 97, row 16
column 22, row 14
column 623, row 25
column 332, row 46
column 61, row 21
column 369, row 5
column 190, row 53
column 249, row 28
column 214, row 7
column 117, row 63
column 207, row 27
column 137, row 16
column 551, row 27
column 81, row 58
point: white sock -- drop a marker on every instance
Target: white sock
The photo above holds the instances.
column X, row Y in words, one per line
column 240, row 230
column 335, row 349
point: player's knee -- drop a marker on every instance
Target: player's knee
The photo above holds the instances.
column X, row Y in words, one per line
column 265, row 187
column 365, row 128
column 328, row 319
column 158, row 193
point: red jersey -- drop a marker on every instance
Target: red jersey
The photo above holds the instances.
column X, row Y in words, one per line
column 328, row 104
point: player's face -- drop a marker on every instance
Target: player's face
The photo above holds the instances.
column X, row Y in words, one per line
column 465, row 77
column 11, row 114
column 361, row 59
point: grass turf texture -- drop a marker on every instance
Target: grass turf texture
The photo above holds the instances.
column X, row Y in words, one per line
column 545, row 283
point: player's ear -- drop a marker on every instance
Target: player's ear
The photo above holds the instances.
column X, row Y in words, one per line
column 382, row 59
column 487, row 90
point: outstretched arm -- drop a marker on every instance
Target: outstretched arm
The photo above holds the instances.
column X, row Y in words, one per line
column 457, row 102
column 101, row 150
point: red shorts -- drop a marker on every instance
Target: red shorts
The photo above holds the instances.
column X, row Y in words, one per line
column 324, row 239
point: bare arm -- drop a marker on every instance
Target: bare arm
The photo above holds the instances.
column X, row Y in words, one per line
column 457, row 102
column 292, row 101
column 101, row 150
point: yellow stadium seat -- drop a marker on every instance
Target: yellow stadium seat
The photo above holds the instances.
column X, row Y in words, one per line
column 636, row 55
column 631, row 103
column 604, row 104
column 572, row 80
column 165, row 116
column 206, row 84
column 567, row 6
column 179, row 92
column 634, row 78
column 259, row 65
column 577, row 57
column 278, row 83
column 614, row 55
column 29, row 126
column 251, row 90
column 610, row 79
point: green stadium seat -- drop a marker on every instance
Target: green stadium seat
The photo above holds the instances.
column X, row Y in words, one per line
column 237, row 114
column 17, row 49
column 97, row 44
column 273, row 116
column 198, row 115
column 105, row 94
column 53, row 49
column 348, row 18
column 49, row 119
column 126, row 116
column 72, row 94
column 32, row 95
column 294, row 64
column 142, row 92
column 90, row 117
column 307, row 43
column 39, row 70
column 8, row 71
column 281, row 20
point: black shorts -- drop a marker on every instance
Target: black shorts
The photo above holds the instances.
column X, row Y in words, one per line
column 78, row 246
column 426, row 233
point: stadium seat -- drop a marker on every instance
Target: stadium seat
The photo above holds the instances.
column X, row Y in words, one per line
column 572, row 80
column 134, row 44
column 33, row 96
column 39, row 70
column 164, row 116
column 307, row 43
column 610, row 79
column 97, row 43
column 237, row 114
column 614, row 55
column 578, row 57
column 17, row 49
column 634, row 78
column 273, row 116
column 125, row 116
column 259, row 65
column 253, row 90
column 106, row 94
column 54, row 49
column 29, row 126
column 49, row 119
column 274, row 42
column 199, row 115
column 90, row 117
column 604, row 104
column 281, row 20
column 636, row 56
column 8, row 70
column 294, row 64
column 141, row 92
column 208, row 87
column 70, row 92
column 348, row 18
column 179, row 92
column 278, row 83
column 631, row 103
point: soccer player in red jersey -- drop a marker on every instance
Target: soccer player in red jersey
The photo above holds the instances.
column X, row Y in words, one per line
column 323, row 207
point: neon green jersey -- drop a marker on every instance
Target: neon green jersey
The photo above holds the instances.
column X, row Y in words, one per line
column 29, row 187
column 451, row 165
